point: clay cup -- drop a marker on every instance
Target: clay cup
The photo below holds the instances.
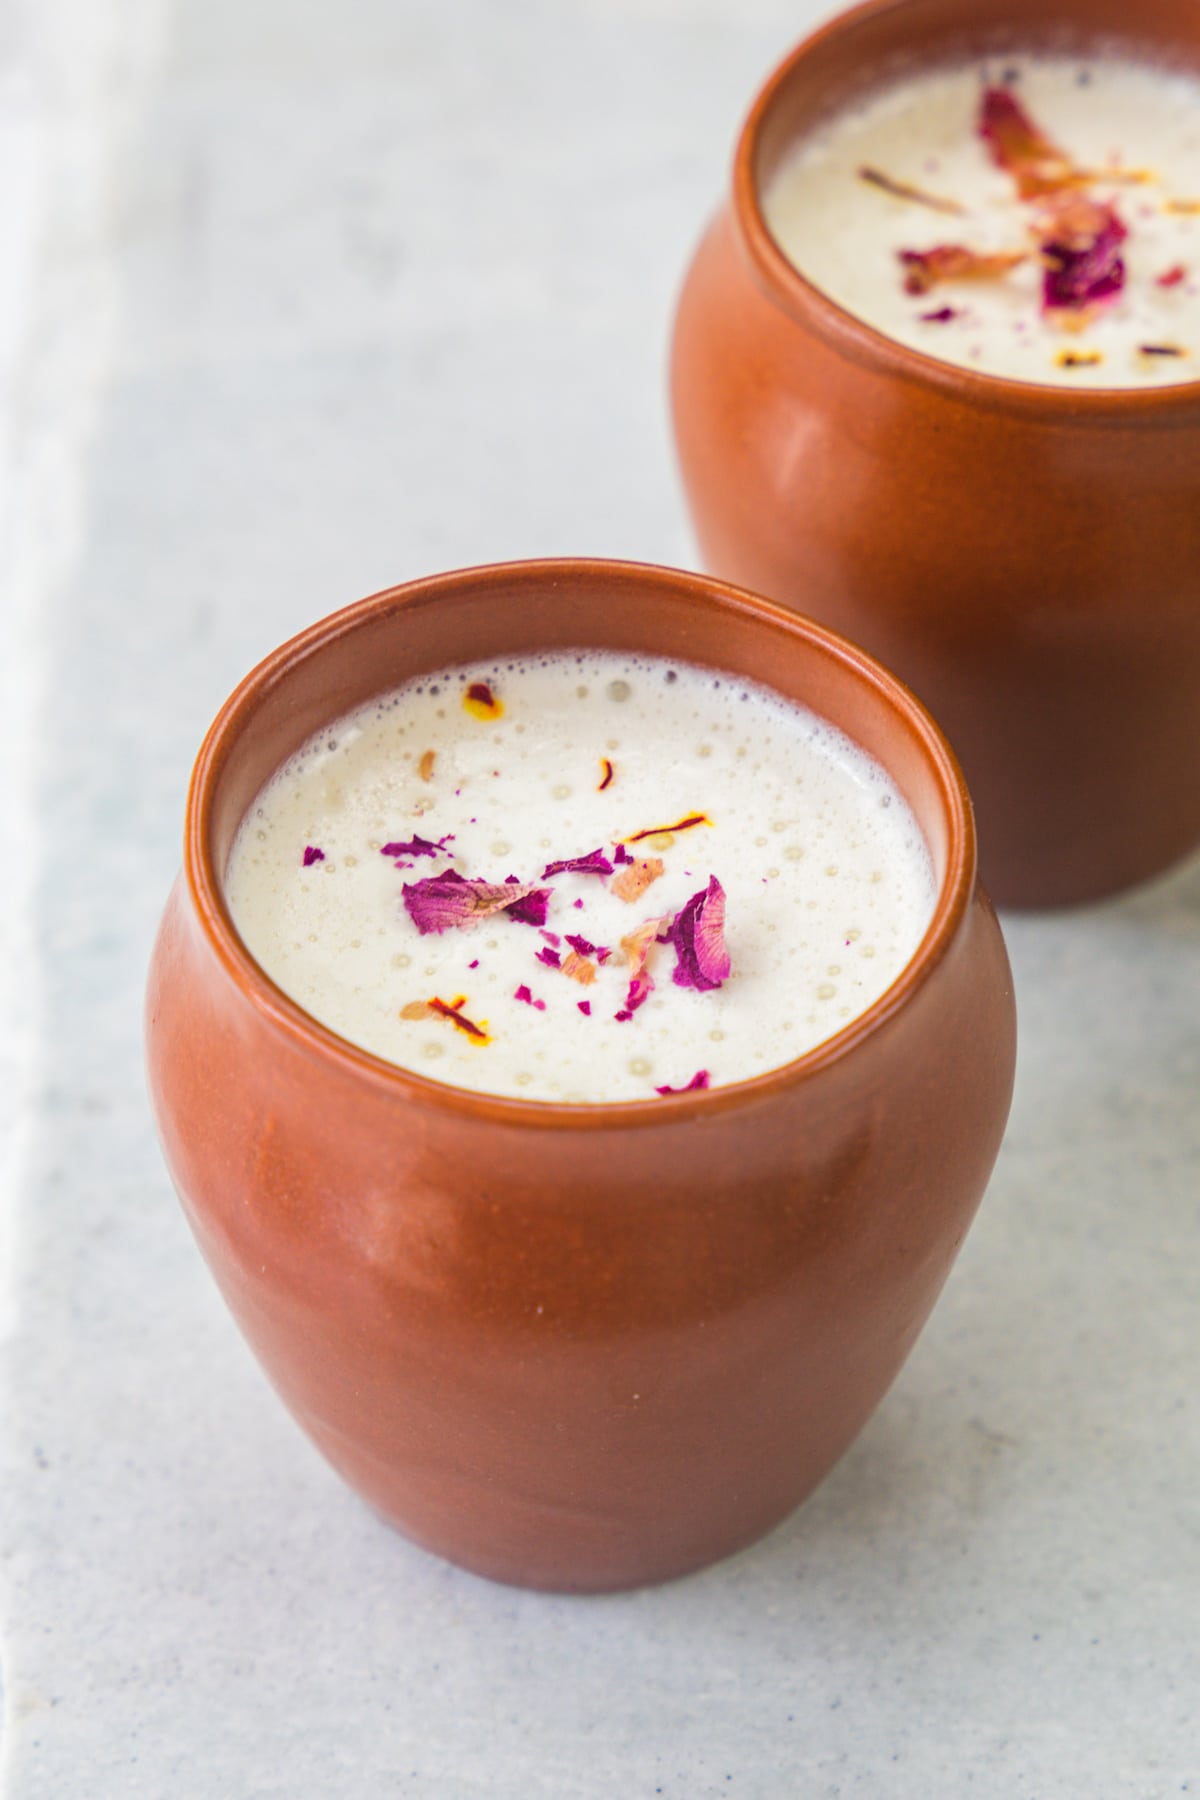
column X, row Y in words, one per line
column 1026, row 558
column 576, row 1347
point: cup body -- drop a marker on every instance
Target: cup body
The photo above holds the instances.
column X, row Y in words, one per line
column 576, row 1347
column 1026, row 558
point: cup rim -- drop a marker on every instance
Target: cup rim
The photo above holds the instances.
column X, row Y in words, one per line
column 846, row 332
column 283, row 1014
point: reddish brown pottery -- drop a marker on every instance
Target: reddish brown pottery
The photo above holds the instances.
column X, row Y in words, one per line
column 576, row 1347
column 1026, row 558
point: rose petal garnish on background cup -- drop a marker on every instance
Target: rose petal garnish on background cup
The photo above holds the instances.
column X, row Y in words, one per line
column 1021, row 148
column 1080, row 244
column 955, row 262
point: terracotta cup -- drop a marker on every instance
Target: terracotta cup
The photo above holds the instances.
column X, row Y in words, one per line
column 1027, row 558
column 576, row 1347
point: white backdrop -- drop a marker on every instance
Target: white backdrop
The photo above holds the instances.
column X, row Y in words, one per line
column 300, row 299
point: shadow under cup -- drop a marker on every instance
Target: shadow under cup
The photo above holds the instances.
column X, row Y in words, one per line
column 576, row 1347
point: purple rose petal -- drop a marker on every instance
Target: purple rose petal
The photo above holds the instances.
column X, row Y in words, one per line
column 698, row 934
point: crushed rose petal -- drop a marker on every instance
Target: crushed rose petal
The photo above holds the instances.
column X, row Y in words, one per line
column 532, row 908
column 941, row 316
column 550, row 957
column 449, row 901
column 312, row 855
column 579, row 968
column 524, row 994
column 1021, row 148
column 637, row 877
column 903, row 190
column 585, row 1007
column 698, row 935
column 1161, row 350
column 699, row 1080
column 594, row 863
column 621, row 855
column 418, row 846
column 924, row 269
column 1080, row 244
column 1171, row 277
column 640, row 990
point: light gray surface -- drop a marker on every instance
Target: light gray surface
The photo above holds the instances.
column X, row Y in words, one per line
column 329, row 296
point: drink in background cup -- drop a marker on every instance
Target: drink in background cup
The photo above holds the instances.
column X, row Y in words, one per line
column 1072, row 182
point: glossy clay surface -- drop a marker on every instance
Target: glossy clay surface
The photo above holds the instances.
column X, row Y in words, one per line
column 827, row 883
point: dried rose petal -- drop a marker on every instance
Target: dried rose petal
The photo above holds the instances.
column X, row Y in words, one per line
column 955, row 262
column 583, row 947
column 594, row 863
column 698, row 935
column 640, row 990
column 579, row 968
column 585, row 1007
column 942, row 316
column 1020, row 147
column 637, row 877
column 449, row 901
column 418, row 846
column 903, row 190
column 550, row 957
column 312, row 855
column 531, row 909
column 1080, row 243
column 1161, row 350
column 638, row 943
column 699, row 1080
column 524, row 994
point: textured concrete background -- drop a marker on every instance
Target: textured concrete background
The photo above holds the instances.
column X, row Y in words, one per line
column 297, row 300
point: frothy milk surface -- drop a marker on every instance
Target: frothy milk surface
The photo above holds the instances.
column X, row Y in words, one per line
column 827, row 880
column 846, row 234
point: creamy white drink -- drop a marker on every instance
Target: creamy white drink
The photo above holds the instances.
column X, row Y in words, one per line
column 746, row 880
column 915, row 168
